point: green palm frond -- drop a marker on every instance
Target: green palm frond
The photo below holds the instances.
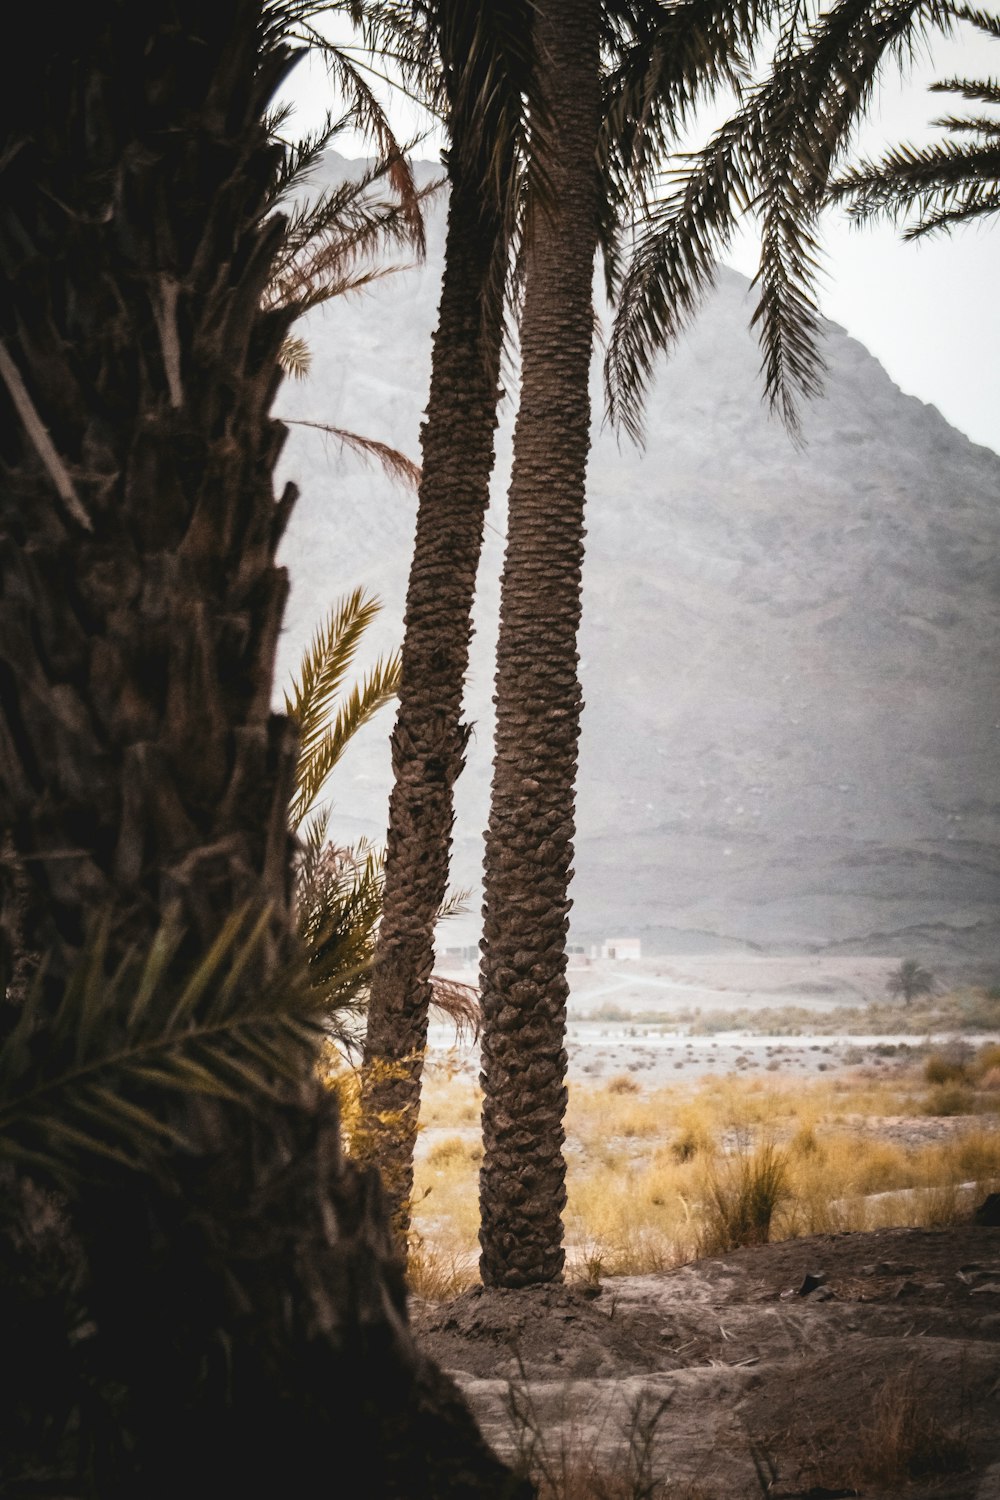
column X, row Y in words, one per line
column 326, row 725
column 364, row 700
column 943, row 184
column 774, row 158
column 338, row 905
column 125, row 1048
column 326, row 664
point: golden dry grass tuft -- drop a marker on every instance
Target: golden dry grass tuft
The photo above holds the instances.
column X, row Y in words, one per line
column 743, row 1195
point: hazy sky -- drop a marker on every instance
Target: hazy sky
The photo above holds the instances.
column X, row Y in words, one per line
column 929, row 311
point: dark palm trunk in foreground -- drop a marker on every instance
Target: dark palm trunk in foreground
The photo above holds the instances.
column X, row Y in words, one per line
column 227, row 1317
column 529, row 843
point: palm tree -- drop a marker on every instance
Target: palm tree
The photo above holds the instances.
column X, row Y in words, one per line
column 475, row 55
column 196, row 1290
column 591, row 165
column 529, row 842
column 910, row 980
column 657, row 55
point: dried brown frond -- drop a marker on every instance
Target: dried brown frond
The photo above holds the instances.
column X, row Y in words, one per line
column 459, row 1003
column 395, row 463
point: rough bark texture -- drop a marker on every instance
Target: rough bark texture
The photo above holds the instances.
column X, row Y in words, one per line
column 428, row 743
column 140, row 766
column 529, row 842
column 233, row 1320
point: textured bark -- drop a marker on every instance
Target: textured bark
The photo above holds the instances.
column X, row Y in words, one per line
column 529, row 841
column 140, row 766
column 231, row 1320
column 429, row 740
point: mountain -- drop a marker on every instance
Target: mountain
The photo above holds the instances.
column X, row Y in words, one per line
column 790, row 656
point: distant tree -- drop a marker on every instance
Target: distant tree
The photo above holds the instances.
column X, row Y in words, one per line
column 910, row 980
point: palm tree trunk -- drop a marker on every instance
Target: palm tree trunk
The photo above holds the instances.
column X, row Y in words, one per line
column 428, row 743
column 231, row 1319
column 529, row 842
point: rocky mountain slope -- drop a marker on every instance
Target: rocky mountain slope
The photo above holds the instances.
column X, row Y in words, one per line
column 790, row 656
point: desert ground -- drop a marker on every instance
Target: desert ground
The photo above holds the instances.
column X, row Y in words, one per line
column 862, row 1362
column 726, row 1379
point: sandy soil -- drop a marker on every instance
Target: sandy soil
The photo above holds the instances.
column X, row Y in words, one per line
column 729, row 981
column 734, row 1379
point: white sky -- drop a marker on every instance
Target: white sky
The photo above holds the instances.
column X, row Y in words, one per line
column 928, row 311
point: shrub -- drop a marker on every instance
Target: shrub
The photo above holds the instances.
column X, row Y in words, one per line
column 941, row 1069
column 623, row 1084
column 905, row 1438
column 454, row 1149
column 743, row 1197
column 949, row 1099
column 986, row 1064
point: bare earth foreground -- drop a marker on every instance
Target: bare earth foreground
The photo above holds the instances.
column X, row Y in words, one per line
column 734, row 1380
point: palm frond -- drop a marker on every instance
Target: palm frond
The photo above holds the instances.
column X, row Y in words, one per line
column 338, row 905
column 969, row 124
column 773, row 158
column 459, row 1004
column 986, row 21
column 978, row 90
column 330, row 246
column 300, row 157
column 943, row 184
column 394, row 463
column 294, row 357
column 325, row 666
column 125, row 1047
column 980, row 202
column 368, row 115
column 318, row 758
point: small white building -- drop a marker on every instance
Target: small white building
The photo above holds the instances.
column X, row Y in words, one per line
column 621, row 948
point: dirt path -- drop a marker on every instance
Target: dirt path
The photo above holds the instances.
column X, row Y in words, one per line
column 732, row 1377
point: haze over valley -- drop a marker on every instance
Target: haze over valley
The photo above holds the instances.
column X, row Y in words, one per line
column 789, row 656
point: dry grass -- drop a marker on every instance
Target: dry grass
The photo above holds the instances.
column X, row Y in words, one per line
column 745, row 1192
column 905, row 1439
column 645, row 1169
column 572, row 1465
